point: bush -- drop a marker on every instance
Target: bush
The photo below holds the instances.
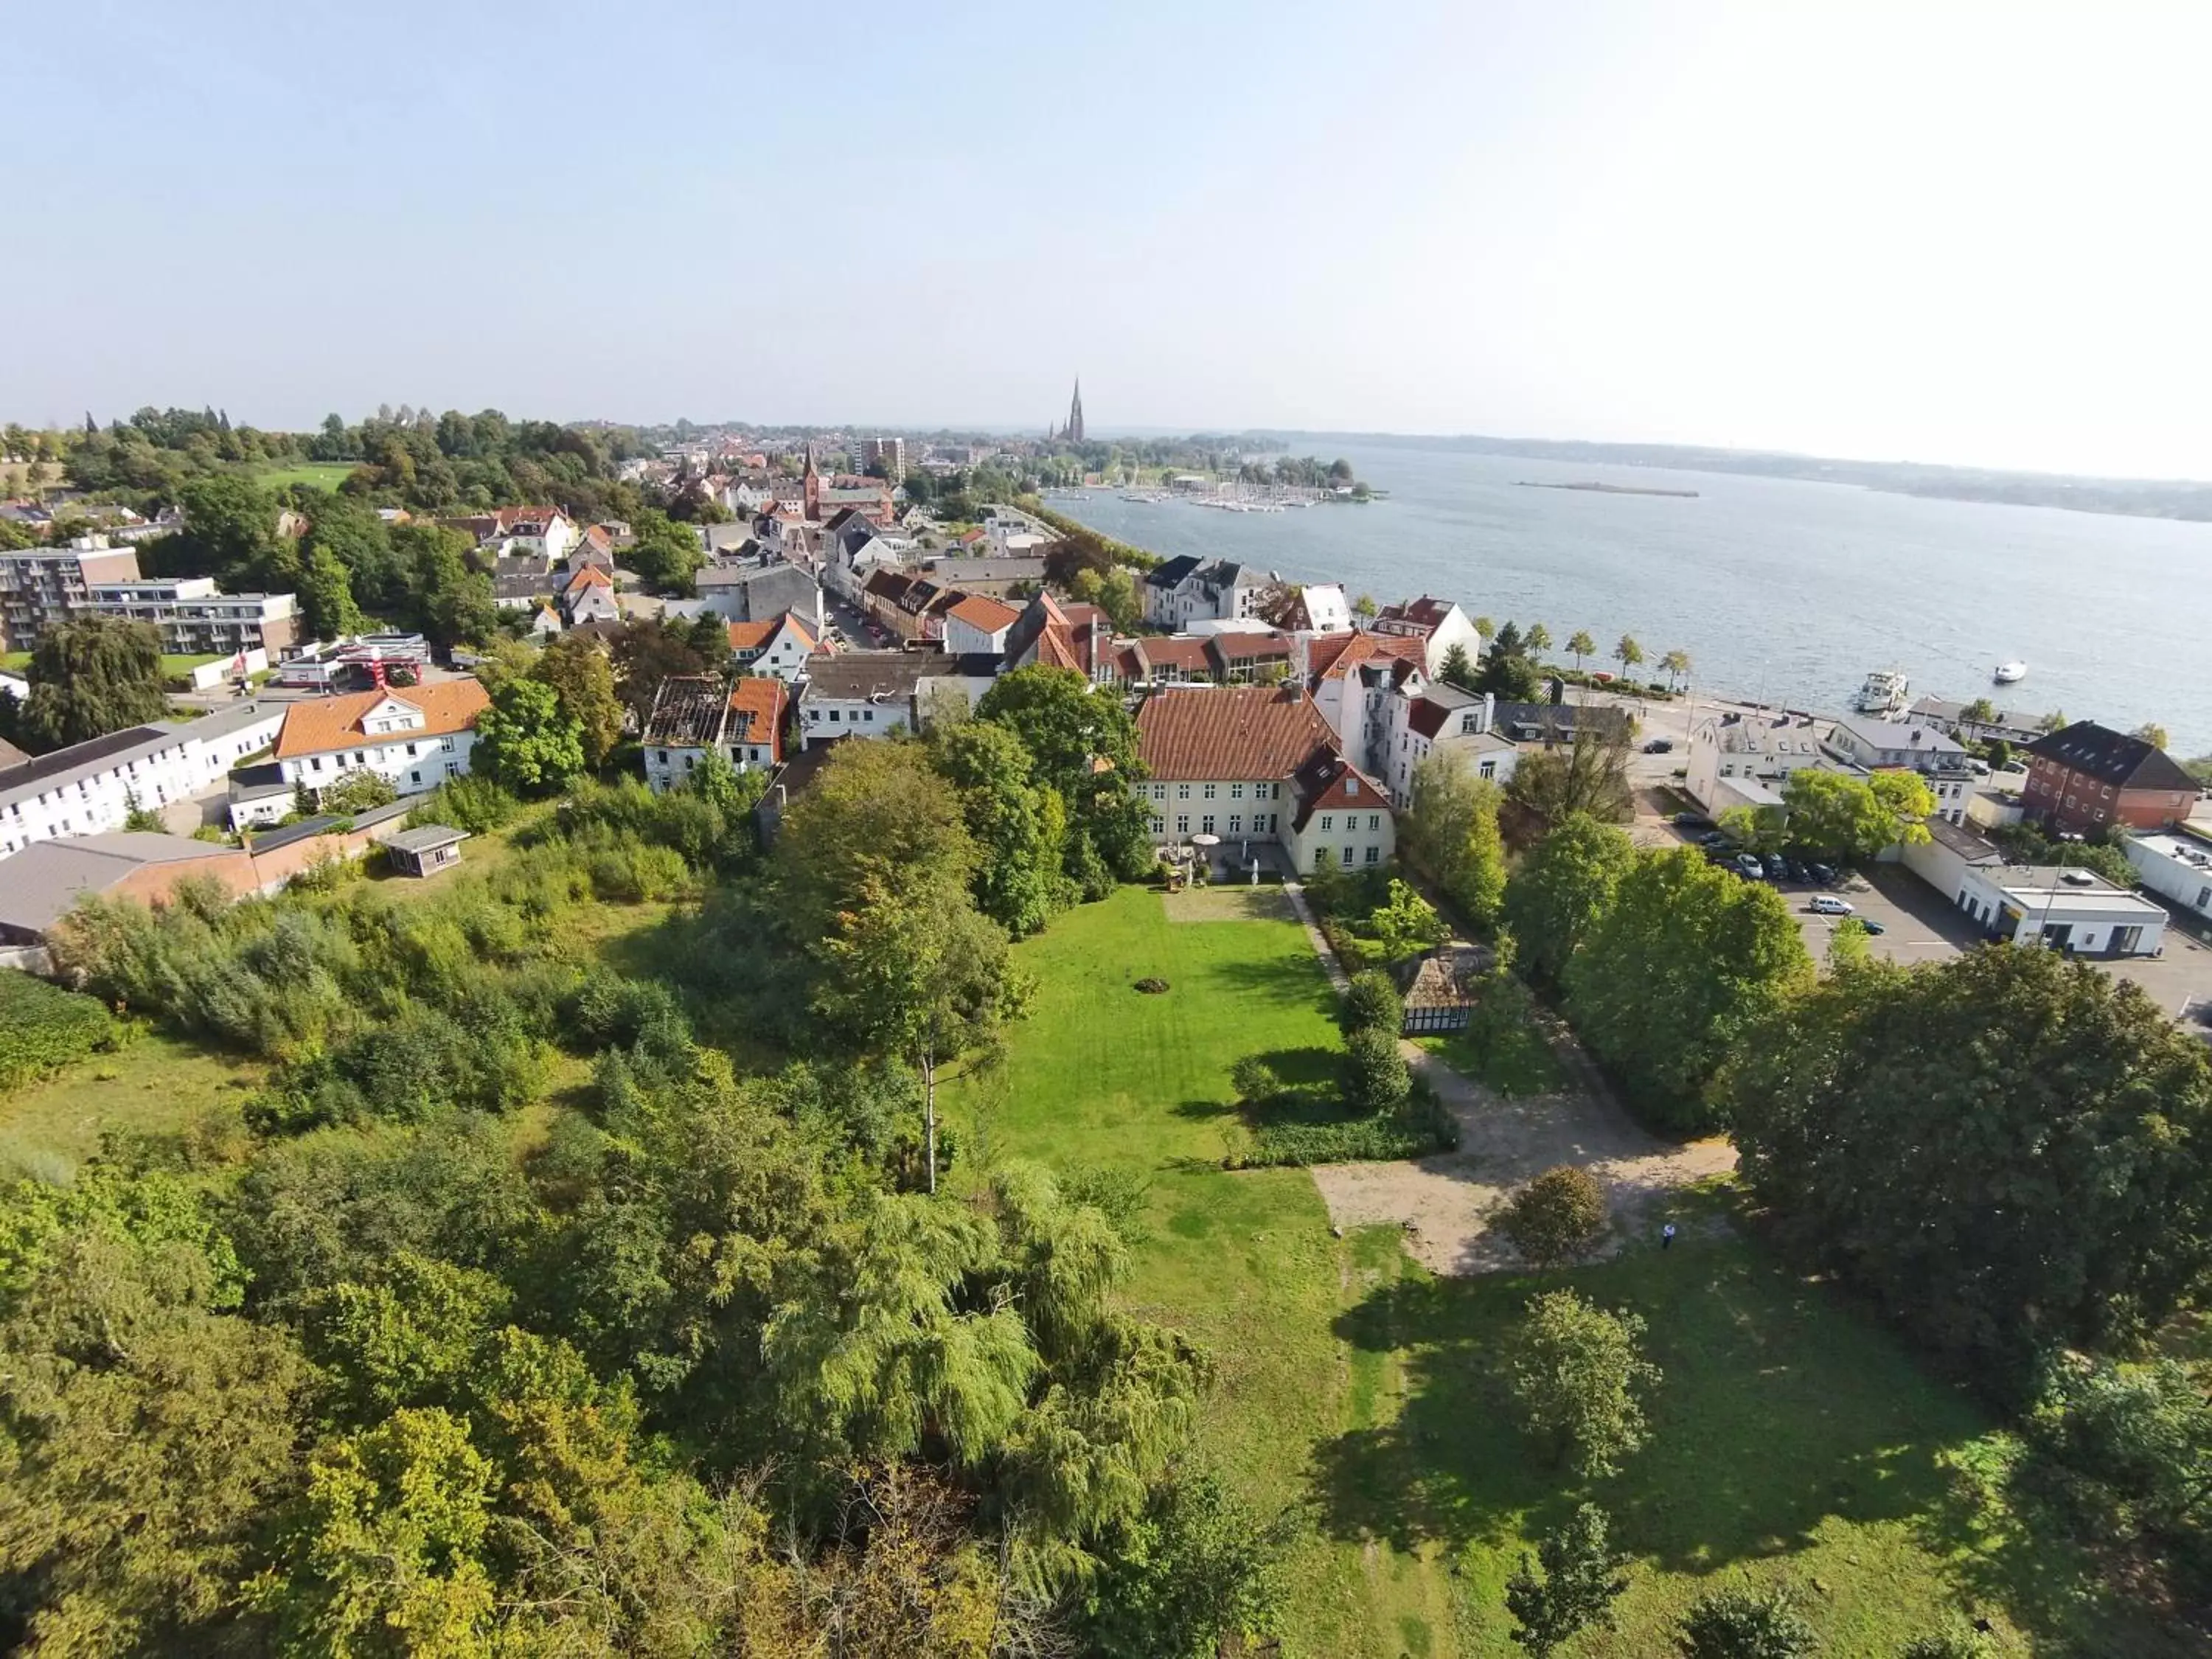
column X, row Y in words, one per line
column 1744, row 1624
column 1557, row 1217
column 1372, row 1004
column 44, row 1028
column 1255, row 1080
column 1374, row 1075
column 470, row 803
column 1420, row 1126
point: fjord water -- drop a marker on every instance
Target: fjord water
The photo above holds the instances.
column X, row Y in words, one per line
column 1779, row 590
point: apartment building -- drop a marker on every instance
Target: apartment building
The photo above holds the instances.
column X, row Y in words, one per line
column 195, row 620
column 42, row 585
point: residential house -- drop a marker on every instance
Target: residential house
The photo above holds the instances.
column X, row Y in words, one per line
column 91, row 786
column 759, row 591
column 195, row 620
column 872, row 498
column 543, row 534
column 1876, row 745
column 853, row 546
column 589, row 596
column 696, row 715
column 41, row 585
column 1439, row 625
column 862, row 693
column 1999, row 724
column 780, row 646
column 2085, row 778
column 1000, row 578
column 1062, row 636
column 522, row 584
column 416, row 739
column 979, row 624
column 1744, row 760
column 1355, row 679
column 1320, row 608
column 1443, row 719
column 1258, row 766
column 1182, row 590
column 2066, row 909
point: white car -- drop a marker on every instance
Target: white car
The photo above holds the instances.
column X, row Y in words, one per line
column 1827, row 904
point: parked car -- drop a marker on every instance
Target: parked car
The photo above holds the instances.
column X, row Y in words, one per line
column 1796, row 868
column 1748, row 867
column 1823, row 873
column 1774, row 867
column 1827, row 904
column 1660, row 747
column 1693, row 821
column 1870, row 924
column 1715, row 838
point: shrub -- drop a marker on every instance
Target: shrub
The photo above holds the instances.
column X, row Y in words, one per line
column 471, row 803
column 1255, row 1079
column 44, row 1028
column 1421, row 1125
column 1374, row 1075
column 1372, row 1004
column 1744, row 1624
column 1557, row 1217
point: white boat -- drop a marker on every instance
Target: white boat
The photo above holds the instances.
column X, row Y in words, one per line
column 1887, row 691
column 2008, row 673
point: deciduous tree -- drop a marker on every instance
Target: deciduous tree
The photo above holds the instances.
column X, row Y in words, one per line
column 1561, row 889
column 1581, row 645
column 1588, row 775
column 91, row 676
column 1018, row 826
column 1085, row 747
column 1451, row 834
column 1578, row 1380
column 1741, row 1623
column 526, row 742
column 1580, row 1578
column 1557, row 1217
column 582, row 679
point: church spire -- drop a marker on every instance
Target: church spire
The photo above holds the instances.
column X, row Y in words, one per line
column 1075, row 433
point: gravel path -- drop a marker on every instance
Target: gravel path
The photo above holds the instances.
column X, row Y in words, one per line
column 1445, row 1203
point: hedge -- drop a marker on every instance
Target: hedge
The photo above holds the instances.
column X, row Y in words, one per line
column 44, row 1028
column 1422, row 1125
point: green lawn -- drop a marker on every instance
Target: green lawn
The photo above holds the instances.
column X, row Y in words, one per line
column 321, row 475
column 155, row 1085
column 1791, row 1437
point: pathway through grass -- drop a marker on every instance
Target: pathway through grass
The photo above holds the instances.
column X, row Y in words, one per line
column 1791, row 1437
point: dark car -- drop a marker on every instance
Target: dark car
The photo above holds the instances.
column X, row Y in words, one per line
column 1660, row 747
column 1693, row 821
column 1823, row 873
column 1796, row 869
column 1871, row 925
column 1715, row 838
column 1776, row 870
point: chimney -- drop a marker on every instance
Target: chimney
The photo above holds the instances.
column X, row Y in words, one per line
column 1489, row 711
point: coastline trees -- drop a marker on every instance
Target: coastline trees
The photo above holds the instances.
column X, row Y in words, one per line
column 1539, row 640
column 1588, row 775
column 1675, row 665
column 1581, row 645
column 1628, row 654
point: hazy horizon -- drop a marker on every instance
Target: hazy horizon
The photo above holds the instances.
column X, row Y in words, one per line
column 1955, row 235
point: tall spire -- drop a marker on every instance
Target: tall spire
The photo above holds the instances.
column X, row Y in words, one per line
column 1075, row 433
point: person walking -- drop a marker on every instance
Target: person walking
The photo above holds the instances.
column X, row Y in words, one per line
column 1667, row 1236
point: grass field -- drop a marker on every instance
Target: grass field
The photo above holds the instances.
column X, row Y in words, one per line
column 1792, row 1437
column 157, row 1085
column 321, row 475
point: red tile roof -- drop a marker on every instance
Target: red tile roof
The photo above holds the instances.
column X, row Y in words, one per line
column 752, row 635
column 317, row 728
column 984, row 614
column 1342, row 653
column 756, row 706
column 1230, row 732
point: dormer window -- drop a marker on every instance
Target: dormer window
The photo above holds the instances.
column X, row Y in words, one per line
column 1351, row 784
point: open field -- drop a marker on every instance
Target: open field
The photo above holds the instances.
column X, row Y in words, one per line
column 321, row 475
column 155, row 1085
column 1792, row 1437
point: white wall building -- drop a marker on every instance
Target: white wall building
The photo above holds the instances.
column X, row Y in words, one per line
column 1746, row 760
column 2071, row 909
column 416, row 739
column 2177, row 864
column 1443, row 720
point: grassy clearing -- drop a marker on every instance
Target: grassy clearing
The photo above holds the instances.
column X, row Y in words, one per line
column 1792, row 1437
column 154, row 1085
column 319, row 475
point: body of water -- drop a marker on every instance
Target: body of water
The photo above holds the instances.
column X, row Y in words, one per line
column 1780, row 591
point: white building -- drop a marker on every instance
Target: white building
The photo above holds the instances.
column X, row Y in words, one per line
column 90, row 787
column 196, row 619
column 2175, row 864
column 861, row 694
column 1184, row 590
column 1746, row 760
column 416, row 739
column 1439, row 624
column 1443, row 720
column 1258, row 766
column 778, row 646
column 1875, row 746
column 2067, row 908
column 978, row 625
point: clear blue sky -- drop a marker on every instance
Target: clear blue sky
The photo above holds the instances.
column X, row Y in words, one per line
column 1938, row 232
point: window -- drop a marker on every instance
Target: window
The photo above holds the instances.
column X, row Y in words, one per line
column 416, row 776
column 1329, row 821
column 1159, row 792
column 1209, row 791
column 410, row 751
column 833, row 717
column 1206, row 824
column 2204, row 897
column 1182, row 824
column 1488, row 769
column 1237, row 792
column 1374, row 820
column 1159, row 826
column 447, row 743
column 1347, row 858
column 1321, row 858
column 316, row 764
column 1182, row 792
column 1374, row 855
column 1236, row 823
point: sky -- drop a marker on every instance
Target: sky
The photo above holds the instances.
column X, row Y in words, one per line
column 1971, row 233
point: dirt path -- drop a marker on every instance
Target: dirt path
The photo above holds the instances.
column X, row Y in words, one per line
column 1444, row 1202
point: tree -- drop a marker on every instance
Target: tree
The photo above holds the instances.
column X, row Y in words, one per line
column 1374, row 1075
column 1956, row 1640
column 453, row 603
column 1579, row 1378
column 1120, row 599
column 1675, row 665
column 1581, row 645
column 1084, row 744
column 1841, row 816
column 526, row 742
column 1406, row 925
column 2054, row 721
column 2011, row 1150
column 1745, row 1624
column 1364, row 607
column 91, row 676
column 355, row 791
column 1628, row 654
column 1981, row 711
column 1371, row 1002
column 1538, row 640
column 1196, row 1570
column 1018, row 826
column 1451, row 835
column 347, row 528
column 326, row 597
column 1590, row 775
column 1279, row 605
column 583, row 680
column 229, row 533
column 2151, row 734
column 667, row 553
column 1506, row 673
column 1683, row 963
column 1561, row 889
column 1582, row 1576
column 645, row 653
column 1557, row 1217
column 1457, row 669
column 138, row 818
